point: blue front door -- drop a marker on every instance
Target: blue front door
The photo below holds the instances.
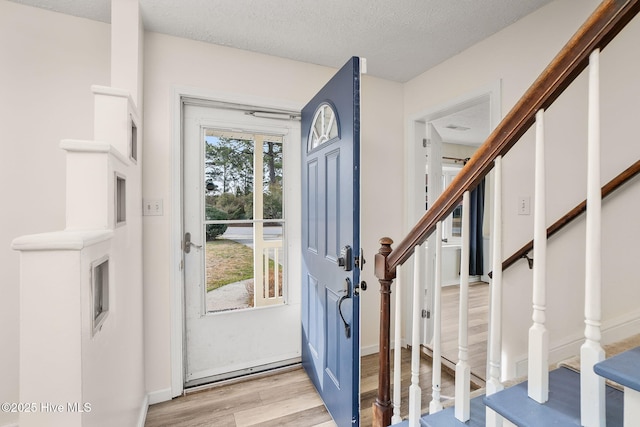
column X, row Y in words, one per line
column 331, row 243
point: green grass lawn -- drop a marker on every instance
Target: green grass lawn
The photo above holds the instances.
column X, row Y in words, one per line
column 227, row 262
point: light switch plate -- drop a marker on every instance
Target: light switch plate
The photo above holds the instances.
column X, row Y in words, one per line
column 152, row 207
column 524, row 205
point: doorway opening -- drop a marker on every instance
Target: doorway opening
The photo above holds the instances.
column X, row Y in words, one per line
column 440, row 142
column 240, row 224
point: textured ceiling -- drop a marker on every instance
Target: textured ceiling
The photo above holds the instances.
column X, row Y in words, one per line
column 399, row 38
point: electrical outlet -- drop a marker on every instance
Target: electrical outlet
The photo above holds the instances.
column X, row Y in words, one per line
column 152, row 207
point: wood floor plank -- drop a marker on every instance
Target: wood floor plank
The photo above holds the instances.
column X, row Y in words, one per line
column 310, row 417
column 289, row 398
column 265, row 412
column 478, row 325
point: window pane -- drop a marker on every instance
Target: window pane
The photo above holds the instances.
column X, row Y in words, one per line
column 272, row 177
column 324, row 127
column 456, row 221
column 229, row 267
column 228, row 174
column 244, row 255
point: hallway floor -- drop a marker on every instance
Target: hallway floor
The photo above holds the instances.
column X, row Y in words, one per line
column 289, row 399
column 283, row 399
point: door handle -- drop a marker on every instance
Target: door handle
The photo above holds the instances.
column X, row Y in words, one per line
column 347, row 326
column 186, row 247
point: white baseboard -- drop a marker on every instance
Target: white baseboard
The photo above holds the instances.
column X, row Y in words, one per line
column 612, row 330
column 143, row 411
column 621, row 327
column 372, row 349
column 369, row 349
column 159, row 396
column 11, row 425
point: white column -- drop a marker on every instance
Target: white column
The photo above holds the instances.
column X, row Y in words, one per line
column 127, row 35
column 463, row 371
column 538, row 335
column 592, row 386
column 435, row 405
column 494, row 384
column 260, row 290
column 397, row 350
column 415, row 392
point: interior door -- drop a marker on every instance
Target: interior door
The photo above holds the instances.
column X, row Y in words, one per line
column 434, row 189
column 331, row 243
column 240, row 315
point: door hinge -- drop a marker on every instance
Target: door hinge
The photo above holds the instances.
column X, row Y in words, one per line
column 426, row 314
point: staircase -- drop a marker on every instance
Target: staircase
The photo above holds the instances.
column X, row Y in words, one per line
column 545, row 397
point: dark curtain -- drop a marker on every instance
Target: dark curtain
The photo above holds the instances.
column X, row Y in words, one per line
column 476, row 202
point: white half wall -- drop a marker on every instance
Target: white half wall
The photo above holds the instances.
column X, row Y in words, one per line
column 49, row 62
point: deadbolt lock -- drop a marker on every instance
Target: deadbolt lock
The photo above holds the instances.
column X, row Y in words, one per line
column 346, row 258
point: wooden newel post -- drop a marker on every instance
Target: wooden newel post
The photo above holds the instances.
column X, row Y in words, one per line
column 382, row 407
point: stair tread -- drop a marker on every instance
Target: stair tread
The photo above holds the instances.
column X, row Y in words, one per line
column 447, row 418
column 622, row 368
column 562, row 408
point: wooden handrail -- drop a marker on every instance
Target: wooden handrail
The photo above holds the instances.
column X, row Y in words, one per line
column 603, row 25
column 608, row 188
column 609, row 18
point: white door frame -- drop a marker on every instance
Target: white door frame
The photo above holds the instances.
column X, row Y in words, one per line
column 177, row 259
column 415, row 166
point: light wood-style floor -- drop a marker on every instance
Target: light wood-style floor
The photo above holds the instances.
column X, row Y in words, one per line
column 478, row 326
column 289, row 398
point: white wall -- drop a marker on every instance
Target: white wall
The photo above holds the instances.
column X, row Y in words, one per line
column 382, row 199
column 516, row 56
column 49, row 62
column 172, row 62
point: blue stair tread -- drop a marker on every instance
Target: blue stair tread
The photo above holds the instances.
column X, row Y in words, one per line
column 562, row 408
column 623, row 368
column 447, row 418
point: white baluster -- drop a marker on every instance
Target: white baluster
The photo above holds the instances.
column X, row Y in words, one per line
column 415, row 392
column 265, row 264
column 538, row 335
column 494, row 384
column 435, row 405
column 592, row 386
column 397, row 351
column 463, row 371
column 276, row 273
